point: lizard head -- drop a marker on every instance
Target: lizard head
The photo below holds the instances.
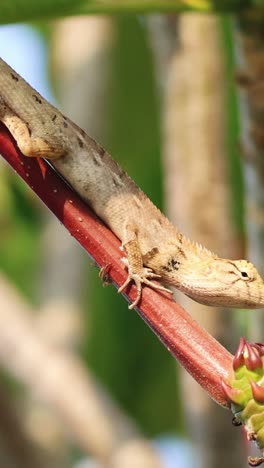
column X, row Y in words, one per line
column 206, row 278
column 227, row 283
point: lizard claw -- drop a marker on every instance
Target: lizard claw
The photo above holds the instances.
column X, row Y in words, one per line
column 104, row 274
column 145, row 277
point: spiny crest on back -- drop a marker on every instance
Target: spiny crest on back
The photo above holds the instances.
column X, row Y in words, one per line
column 197, row 248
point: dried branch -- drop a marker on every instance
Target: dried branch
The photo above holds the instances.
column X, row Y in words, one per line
column 194, row 143
column 60, row 380
column 249, row 36
column 17, row 449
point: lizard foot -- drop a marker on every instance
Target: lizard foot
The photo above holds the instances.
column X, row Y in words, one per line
column 255, row 461
column 145, row 276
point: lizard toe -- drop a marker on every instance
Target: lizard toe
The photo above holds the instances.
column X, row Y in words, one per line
column 145, row 277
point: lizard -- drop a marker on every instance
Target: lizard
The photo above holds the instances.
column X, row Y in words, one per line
column 156, row 251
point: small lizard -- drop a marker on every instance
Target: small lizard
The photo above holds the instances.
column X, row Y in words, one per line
column 155, row 249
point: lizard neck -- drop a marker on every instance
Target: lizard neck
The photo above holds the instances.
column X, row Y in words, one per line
column 177, row 259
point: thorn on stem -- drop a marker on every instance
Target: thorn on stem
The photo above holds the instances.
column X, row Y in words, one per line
column 236, row 422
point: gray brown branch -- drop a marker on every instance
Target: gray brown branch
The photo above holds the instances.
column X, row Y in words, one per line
column 89, row 417
column 249, row 36
column 190, row 63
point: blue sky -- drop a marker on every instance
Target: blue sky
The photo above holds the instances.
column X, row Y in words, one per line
column 23, row 49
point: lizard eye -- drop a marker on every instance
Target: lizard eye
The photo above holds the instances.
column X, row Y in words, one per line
column 246, row 270
column 244, row 274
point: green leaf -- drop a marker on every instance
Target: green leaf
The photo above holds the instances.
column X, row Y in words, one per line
column 13, row 11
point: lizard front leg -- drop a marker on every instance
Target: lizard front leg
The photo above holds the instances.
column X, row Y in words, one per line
column 136, row 270
column 30, row 145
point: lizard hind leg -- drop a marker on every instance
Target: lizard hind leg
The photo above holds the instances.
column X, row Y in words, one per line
column 137, row 272
column 29, row 145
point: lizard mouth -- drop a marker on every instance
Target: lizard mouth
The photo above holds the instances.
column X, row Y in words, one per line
column 223, row 298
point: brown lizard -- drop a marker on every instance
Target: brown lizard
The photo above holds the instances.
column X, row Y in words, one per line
column 155, row 249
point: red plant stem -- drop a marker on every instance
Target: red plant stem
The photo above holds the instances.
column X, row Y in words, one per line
column 201, row 355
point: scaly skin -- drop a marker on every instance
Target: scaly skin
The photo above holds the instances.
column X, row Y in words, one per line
column 155, row 248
